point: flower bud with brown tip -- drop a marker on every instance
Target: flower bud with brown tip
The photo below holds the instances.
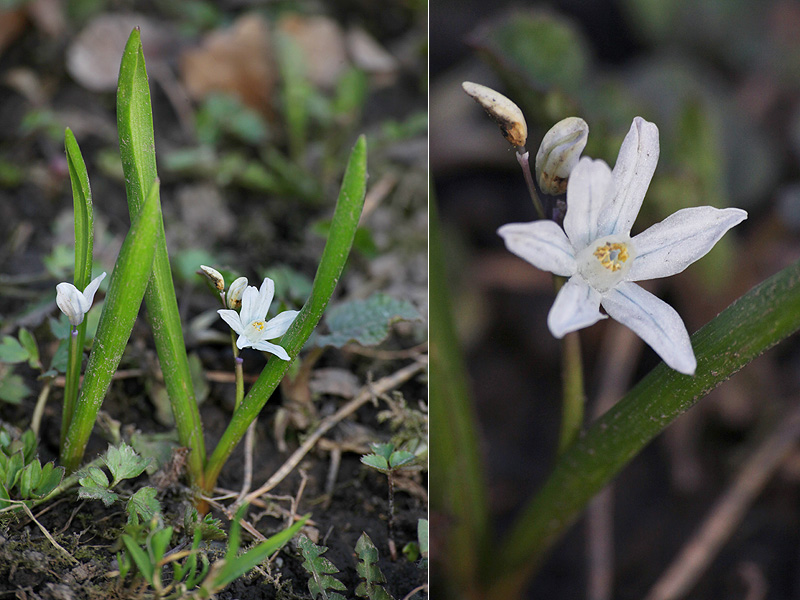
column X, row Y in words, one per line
column 502, row 110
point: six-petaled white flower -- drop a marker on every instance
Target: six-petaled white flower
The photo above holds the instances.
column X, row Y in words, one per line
column 596, row 252
column 251, row 324
column 74, row 303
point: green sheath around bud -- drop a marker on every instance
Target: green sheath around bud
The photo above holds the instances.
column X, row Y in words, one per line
column 559, row 153
column 502, row 111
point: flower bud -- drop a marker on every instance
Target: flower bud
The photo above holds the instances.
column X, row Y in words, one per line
column 502, row 110
column 234, row 298
column 215, row 276
column 558, row 154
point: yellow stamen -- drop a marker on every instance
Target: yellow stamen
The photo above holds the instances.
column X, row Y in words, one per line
column 611, row 256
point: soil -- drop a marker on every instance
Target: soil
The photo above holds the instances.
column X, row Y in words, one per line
column 249, row 232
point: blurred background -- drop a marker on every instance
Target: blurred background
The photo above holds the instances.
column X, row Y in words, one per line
column 721, row 79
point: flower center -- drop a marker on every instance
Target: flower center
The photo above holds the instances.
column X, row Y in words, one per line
column 612, row 256
column 606, row 261
column 255, row 330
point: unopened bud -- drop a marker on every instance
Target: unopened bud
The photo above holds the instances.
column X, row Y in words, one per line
column 234, row 298
column 558, row 154
column 215, row 276
column 502, row 110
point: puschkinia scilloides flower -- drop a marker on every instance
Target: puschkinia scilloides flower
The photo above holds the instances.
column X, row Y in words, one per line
column 75, row 303
column 595, row 249
column 251, row 324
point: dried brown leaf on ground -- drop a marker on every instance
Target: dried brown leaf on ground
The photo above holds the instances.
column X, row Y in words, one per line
column 238, row 60
column 323, row 45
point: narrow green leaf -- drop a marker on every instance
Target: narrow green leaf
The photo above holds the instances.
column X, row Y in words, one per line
column 84, row 242
column 12, row 352
column 236, row 566
column 334, row 256
column 140, row 557
column 128, row 281
column 137, row 150
column 29, row 343
column 755, row 322
column 456, row 466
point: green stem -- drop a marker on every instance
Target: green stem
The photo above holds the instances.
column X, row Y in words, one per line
column 73, row 376
column 573, row 394
column 755, row 322
column 334, row 256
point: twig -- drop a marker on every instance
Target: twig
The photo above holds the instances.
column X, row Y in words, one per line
column 618, row 359
column 249, row 444
column 419, row 588
column 41, row 402
column 46, row 533
column 727, row 513
column 380, row 387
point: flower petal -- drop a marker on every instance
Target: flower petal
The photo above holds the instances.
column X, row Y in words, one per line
column 250, row 301
column 577, row 306
column 278, row 351
column 655, row 321
column 278, row 325
column 542, row 243
column 636, row 163
column 669, row 247
column 231, row 317
column 588, row 191
column 71, row 302
column 91, row 289
column 265, row 295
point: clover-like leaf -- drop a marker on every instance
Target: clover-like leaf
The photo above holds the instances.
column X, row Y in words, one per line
column 124, row 463
column 143, row 505
column 11, row 351
column 376, row 461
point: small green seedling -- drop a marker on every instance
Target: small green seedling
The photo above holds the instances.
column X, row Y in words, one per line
column 387, row 460
column 321, row 569
column 193, row 576
column 123, row 463
column 369, row 571
column 22, row 476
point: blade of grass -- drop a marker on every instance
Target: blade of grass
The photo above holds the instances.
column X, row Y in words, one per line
column 128, row 282
column 334, row 256
column 137, row 148
column 754, row 323
column 455, row 463
column 84, row 242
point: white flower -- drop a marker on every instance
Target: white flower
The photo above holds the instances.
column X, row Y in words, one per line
column 250, row 323
column 74, row 303
column 601, row 259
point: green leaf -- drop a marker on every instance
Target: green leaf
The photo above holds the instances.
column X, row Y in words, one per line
column 94, row 492
column 367, row 568
column 320, row 568
column 128, row 282
column 422, row 536
column 400, row 458
column 13, row 389
column 11, row 351
column 124, row 463
column 137, row 151
column 29, row 478
column 29, row 343
column 140, row 557
column 236, row 566
column 376, row 462
column 95, row 476
column 51, row 478
column 143, row 504
column 365, row 321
